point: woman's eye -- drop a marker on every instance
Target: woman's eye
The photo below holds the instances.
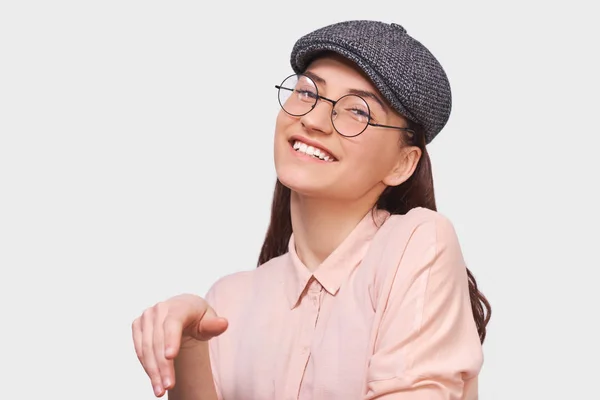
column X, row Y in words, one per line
column 359, row 112
column 306, row 94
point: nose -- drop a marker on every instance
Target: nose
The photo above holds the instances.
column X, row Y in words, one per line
column 319, row 119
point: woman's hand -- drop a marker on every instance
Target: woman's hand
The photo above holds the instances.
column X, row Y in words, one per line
column 168, row 327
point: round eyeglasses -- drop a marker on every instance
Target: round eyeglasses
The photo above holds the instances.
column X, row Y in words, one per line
column 350, row 115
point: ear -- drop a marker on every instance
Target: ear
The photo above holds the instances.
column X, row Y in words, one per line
column 405, row 167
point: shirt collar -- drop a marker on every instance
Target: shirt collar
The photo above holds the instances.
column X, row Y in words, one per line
column 337, row 267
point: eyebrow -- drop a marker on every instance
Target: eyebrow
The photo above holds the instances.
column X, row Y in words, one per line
column 358, row 92
column 315, row 77
column 365, row 93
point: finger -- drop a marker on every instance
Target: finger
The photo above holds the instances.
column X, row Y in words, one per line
column 136, row 332
column 148, row 357
column 182, row 321
column 173, row 330
column 211, row 325
column 210, row 328
column 165, row 366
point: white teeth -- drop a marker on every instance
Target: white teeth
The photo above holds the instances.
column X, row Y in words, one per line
column 312, row 151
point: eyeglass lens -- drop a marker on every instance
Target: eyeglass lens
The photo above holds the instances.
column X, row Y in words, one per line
column 298, row 95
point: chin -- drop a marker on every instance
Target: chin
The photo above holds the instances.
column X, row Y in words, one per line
column 306, row 175
column 304, row 182
column 297, row 181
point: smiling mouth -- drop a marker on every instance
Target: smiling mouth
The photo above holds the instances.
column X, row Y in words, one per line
column 312, row 151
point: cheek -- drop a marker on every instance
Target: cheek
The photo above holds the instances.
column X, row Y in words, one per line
column 373, row 156
column 286, row 166
column 282, row 127
column 280, row 119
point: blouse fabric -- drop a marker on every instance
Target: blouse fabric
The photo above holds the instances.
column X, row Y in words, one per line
column 386, row 316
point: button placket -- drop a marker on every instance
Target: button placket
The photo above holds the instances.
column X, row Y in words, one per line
column 313, row 297
column 310, row 310
column 312, row 306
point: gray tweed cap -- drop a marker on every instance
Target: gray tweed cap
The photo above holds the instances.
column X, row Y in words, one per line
column 402, row 69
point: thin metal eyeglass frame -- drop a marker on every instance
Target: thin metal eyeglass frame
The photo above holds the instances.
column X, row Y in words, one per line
column 333, row 103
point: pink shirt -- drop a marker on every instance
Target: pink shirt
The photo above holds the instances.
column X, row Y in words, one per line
column 386, row 316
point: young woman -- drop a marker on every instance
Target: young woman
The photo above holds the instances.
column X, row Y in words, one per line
column 361, row 291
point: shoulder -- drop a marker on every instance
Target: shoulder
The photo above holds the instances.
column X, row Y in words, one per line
column 231, row 283
column 418, row 217
column 419, row 241
column 414, row 252
column 241, row 284
column 420, row 225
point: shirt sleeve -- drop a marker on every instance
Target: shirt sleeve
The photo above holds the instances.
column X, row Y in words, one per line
column 427, row 345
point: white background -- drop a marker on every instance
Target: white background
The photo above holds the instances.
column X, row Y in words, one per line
column 136, row 164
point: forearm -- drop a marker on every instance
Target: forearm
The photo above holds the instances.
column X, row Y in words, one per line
column 193, row 374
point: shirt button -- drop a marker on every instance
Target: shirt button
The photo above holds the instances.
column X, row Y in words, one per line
column 314, row 287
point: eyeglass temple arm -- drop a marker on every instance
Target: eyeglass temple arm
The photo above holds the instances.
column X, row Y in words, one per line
column 392, row 127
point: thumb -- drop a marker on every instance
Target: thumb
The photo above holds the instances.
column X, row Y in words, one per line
column 210, row 325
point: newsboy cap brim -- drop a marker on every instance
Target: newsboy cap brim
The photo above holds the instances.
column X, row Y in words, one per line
column 401, row 68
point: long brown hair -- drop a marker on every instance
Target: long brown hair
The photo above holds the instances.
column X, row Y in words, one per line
column 417, row 191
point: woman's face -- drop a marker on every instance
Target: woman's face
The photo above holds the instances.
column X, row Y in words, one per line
column 363, row 165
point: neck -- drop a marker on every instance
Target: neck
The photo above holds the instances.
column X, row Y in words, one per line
column 320, row 226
